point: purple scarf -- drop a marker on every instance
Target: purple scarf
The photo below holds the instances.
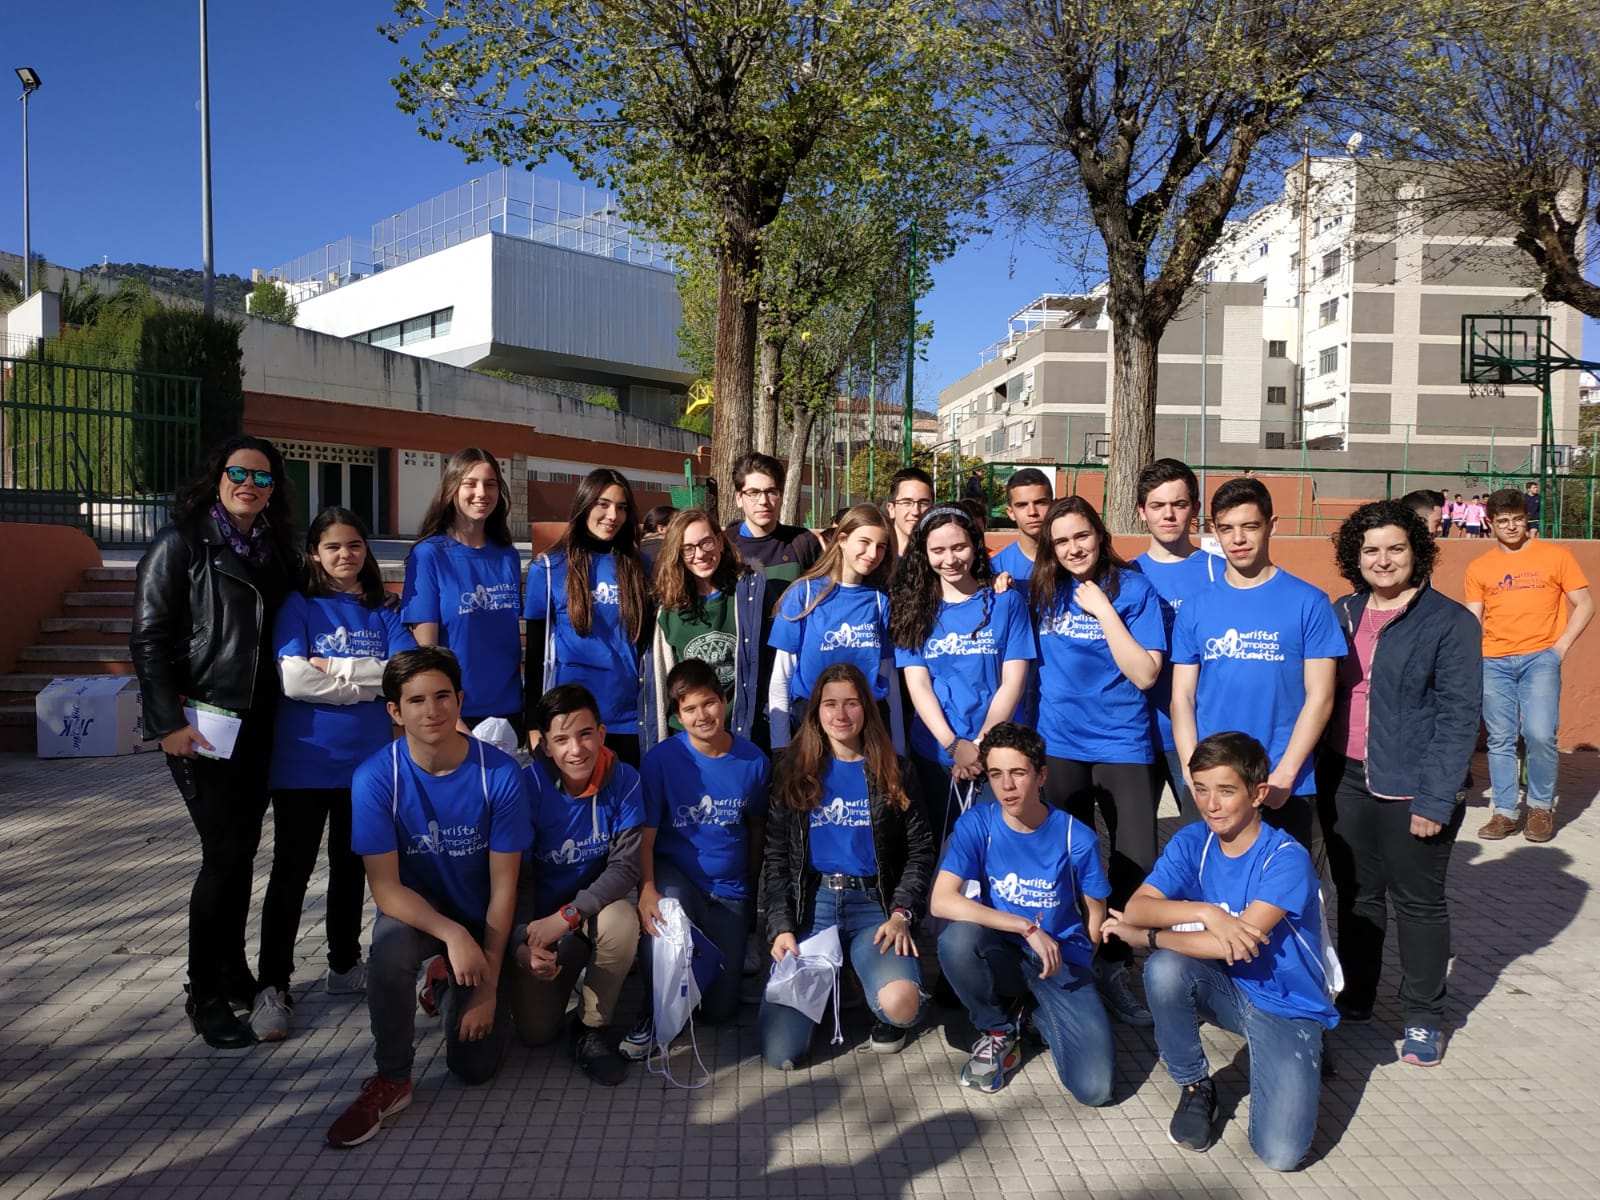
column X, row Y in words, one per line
column 253, row 548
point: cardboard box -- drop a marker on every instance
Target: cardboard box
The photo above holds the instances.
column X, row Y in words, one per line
column 97, row 716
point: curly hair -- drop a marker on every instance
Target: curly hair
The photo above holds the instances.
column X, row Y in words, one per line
column 580, row 547
column 797, row 782
column 1051, row 588
column 1377, row 515
column 677, row 588
column 196, row 496
column 914, row 602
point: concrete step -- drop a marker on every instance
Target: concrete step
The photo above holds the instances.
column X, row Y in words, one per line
column 112, row 574
column 120, row 626
column 116, row 599
column 78, row 653
column 29, row 683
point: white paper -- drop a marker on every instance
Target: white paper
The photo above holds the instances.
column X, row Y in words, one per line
column 219, row 728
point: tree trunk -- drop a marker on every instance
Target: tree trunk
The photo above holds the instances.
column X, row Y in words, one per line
column 766, row 409
column 799, row 447
column 733, row 378
column 1133, row 419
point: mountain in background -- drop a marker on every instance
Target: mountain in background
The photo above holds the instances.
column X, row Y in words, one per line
column 183, row 283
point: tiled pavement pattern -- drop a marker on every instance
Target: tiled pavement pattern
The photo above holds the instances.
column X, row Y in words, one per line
column 103, row 1090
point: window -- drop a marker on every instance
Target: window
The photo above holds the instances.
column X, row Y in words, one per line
column 1277, row 395
column 1331, row 262
column 417, row 329
column 1261, row 250
column 388, row 336
column 1277, row 349
column 1328, row 311
column 411, row 331
column 1328, row 361
column 1274, row 441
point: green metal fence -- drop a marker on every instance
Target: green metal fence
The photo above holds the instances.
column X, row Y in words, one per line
column 100, row 448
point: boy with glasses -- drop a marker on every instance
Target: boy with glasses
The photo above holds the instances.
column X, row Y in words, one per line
column 782, row 552
column 910, row 496
column 1533, row 601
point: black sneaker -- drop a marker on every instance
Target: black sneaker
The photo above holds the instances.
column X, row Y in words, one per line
column 595, row 1052
column 887, row 1038
column 1197, row 1111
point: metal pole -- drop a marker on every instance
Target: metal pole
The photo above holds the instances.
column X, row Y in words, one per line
column 210, row 282
column 1205, row 368
column 1546, row 433
column 849, row 435
column 911, row 349
column 27, row 236
column 872, row 407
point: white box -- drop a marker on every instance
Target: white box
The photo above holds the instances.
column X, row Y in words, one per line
column 97, row 716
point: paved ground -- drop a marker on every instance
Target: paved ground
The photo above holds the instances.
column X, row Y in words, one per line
column 103, row 1090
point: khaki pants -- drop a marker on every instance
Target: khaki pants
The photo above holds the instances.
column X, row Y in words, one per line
column 539, row 1006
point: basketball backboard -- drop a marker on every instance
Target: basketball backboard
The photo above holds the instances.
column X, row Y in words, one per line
column 1497, row 348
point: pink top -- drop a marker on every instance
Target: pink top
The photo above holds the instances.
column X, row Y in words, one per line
column 1355, row 670
column 1474, row 514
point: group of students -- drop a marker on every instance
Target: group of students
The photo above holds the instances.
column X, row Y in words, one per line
column 730, row 730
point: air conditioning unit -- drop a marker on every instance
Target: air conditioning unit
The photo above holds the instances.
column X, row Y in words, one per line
column 1009, row 354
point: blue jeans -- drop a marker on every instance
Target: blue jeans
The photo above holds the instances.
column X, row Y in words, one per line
column 1285, row 1052
column 786, row 1032
column 989, row 970
column 721, row 919
column 1522, row 694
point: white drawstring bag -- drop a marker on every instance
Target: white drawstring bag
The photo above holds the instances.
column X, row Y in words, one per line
column 676, row 991
column 808, row 980
column 497, row 731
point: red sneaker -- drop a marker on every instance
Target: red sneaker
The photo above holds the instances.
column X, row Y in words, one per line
column 435, row 974
column 379, row 1098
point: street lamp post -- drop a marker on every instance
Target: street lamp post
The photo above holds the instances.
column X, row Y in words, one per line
column 209, row 278
column 30, row 85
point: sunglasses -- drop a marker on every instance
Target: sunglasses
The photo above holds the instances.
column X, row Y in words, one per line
column 237, row 475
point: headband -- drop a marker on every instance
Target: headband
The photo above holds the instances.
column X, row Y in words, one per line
column 943, row 510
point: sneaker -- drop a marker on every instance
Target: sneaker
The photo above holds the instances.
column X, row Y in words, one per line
column 1540, row 826
column 433, row 974
column 597, row 1057
column 346, row 983
column 379, row 1098
column 1497, row 827
column 1423, row 1047
column 635, row 1045
column 994, row 1055
column 1117, row 992
column 887, row 1038
column 269, row 1019
column 1192, row 1123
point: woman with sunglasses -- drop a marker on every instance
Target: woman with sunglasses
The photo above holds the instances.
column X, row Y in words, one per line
column 709, row 607
column 463, row 586
column 588, row 609
column 838, row 611
column 965, row 650
column 208, row 591
column 332, row 640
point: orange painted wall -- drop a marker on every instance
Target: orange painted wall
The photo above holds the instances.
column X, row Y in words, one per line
column 44, row 561
column 1294, row 498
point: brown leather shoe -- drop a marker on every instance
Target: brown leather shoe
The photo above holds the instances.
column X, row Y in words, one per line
column 1499, row 826
column 1541, row 825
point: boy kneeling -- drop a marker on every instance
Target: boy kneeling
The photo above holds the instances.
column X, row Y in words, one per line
column 440, row 820
column 1233, row 911
column 1032, row 863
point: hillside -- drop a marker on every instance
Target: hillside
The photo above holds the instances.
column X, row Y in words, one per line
column 183, row 283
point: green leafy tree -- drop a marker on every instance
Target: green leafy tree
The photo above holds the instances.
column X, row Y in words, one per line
column 700, row 115
column 270, row 301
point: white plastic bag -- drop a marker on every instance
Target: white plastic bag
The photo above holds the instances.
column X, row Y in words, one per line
column 808, row 980
column 497, row 731
column 675, row 993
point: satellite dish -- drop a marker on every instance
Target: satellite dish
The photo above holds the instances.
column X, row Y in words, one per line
column 1354, row 143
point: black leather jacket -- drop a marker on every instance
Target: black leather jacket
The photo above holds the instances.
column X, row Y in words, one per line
column 200, row 621
column 902, row 845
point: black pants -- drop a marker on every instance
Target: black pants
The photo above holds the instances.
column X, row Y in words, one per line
column 1376, row 861
column 1126, row 797
column 298, row 815
column 1297, row 816
column 227, row 801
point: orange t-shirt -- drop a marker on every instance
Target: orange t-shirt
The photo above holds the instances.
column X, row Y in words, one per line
column 1523, row 594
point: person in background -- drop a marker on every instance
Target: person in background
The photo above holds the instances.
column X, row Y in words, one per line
column 1473, row 517
column 781, row 552
column 332, row 640
column 652, row 528
column 910, row 495
column 206, row 595
column 1455, row 511
column 974, row 489
column 1028, row 498
column 1429, row 505
column 1391, row 786
column 977, row 511
column 463, row 587
column 1533, row 503
column 1533, row 601
column 588, row 609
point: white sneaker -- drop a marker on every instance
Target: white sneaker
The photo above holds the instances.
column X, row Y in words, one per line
column 346, row 983
column 269, row 1020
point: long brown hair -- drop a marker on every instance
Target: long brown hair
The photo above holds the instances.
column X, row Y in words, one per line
column 831, row 565
column 798, row 783
column 580, row 546
column 317, row 581
column 1051, row 589
column 441, row 515
column 677, row 589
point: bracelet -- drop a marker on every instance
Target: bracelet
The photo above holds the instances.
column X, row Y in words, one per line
column 1152, row 939
column 1033, row 928
column 954, row 742
column 904, row 914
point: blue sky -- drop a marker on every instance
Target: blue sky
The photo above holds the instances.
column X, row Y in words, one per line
column 307, row 146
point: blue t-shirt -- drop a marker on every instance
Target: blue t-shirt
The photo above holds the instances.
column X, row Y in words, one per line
column 1286, row 978
column 442, row 826
column 1092, row 711
column 572, row 835
column 1034, row 875
column 1174, row 582
column 849, row 625
column 700, row 807
column 320, row 745
column 1251, row 644
column 474, row 596
column 965, row 662
column 1012, row 559
column 605, row 662
column 841, row 825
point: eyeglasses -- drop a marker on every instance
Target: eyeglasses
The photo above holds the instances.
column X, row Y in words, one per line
column 705, row 549
column 919, row 505
column 761, row 493
column 1510, row 522
column 237, row 475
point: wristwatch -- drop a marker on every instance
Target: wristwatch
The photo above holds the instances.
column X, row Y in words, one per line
column 1152, row 939
column 572, row 916
column 904, row 914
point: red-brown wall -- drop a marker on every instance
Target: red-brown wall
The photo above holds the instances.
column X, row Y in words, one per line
column 43, row 562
